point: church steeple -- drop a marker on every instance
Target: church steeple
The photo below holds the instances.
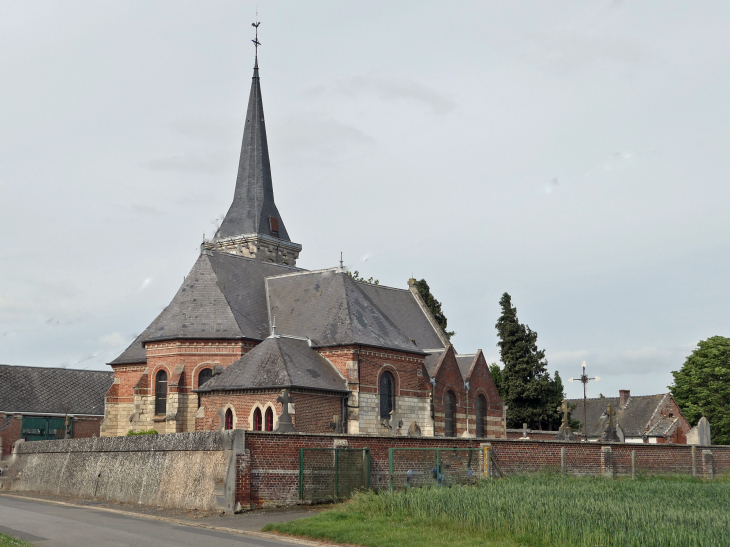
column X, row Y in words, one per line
column 253, row 226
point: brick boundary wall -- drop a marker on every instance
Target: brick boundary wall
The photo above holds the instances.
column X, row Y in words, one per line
column 268, row 471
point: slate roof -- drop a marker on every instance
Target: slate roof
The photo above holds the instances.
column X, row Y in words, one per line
column 633, row 418
column 465, row 363
column 278, row 362
column 432, row 361
column 223, row 296
column 51, row 390
column 332, row 309
column 253, row 200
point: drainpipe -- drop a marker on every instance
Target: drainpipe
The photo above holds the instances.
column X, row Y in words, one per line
column 433, row 402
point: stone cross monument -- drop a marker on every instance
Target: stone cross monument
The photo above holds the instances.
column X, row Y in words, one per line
column 285, row 423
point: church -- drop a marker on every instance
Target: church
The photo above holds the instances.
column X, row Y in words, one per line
column 251, row 341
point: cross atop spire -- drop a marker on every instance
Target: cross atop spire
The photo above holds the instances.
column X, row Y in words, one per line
column 256, row 42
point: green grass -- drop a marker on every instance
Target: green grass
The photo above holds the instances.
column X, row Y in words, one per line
column 8, row 541
column 538, row 510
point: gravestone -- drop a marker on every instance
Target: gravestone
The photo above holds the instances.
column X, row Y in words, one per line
column 704, row 437
column 414, row 430
column 610, row 435
column 524, row 432
column 565, row 433
column 285, row 424
column 395, row 423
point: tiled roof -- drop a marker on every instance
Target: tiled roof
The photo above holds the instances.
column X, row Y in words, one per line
column 633, row 418
column 53, row 390
column 465, row 363
column 432, row 362
column 278, row 362
column 332, row 309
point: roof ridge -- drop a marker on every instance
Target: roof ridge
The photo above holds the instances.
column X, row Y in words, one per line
column 56, row 368
column 241, row 257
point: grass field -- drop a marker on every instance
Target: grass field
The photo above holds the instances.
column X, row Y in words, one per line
column 541, row 510
column 7, row 541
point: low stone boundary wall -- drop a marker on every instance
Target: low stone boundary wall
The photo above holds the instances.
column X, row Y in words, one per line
column 181, row 470
column 268, row 468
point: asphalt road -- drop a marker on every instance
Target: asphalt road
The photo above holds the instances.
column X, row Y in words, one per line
column 49, row 525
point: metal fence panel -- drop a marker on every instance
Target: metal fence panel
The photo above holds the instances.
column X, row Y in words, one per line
column 332, row 473
column 417, row 467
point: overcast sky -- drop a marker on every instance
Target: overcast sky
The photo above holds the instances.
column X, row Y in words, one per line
column 573, row 154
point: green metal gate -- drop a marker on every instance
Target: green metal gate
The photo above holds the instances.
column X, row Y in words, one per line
column 332, row 473
column 42, row 428
column 416, row 467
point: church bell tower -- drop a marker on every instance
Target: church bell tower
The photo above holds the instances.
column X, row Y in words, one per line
column 253, row 226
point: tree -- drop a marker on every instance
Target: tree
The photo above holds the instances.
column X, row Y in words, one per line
column 496, row 373
column 433, row 305
column 531, row 396
column 356, row 276
column 702, row 386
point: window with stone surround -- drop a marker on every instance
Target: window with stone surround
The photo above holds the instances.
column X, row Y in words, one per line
column 481, row 406
column 269, row 419
column 161, row 393
column 387, row 394
column 257, row 421
column 450, row 414
column 229, row 419
column 203, row 376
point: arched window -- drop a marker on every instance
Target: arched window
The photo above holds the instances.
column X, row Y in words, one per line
column 161, row 393
column 269, row 419
column 203, row 376
column 229, row 419
column 450, row 414
column 257, row 420
column 387, row 394
column 481, row 410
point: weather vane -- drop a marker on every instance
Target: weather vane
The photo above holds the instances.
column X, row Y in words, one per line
column 255, row 41
column 584, row 379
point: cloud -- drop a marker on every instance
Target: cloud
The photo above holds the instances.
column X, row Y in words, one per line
column 190, row 162
column 391, row 90
column 569, row 52
column 113, row 340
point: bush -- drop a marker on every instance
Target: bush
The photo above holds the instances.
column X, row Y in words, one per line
column 131, row 433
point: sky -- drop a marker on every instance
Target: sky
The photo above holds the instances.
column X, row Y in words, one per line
column 572, row 154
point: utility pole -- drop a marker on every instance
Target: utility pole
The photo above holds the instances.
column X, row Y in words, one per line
column 584, row 379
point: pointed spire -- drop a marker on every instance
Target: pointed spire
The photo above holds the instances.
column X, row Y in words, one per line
column 253, row 210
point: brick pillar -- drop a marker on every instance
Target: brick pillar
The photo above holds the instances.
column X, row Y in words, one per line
column 607, row 461
column 243, row 479
column 708, row 465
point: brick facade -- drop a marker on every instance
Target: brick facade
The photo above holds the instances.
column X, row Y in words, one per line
column 11, row 429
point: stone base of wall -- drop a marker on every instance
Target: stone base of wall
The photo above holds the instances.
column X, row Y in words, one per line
column 185, row 470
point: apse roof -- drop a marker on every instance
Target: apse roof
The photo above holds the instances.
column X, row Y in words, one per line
column 632, row 418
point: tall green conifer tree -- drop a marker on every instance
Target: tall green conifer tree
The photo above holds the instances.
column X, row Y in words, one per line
column 531, row 396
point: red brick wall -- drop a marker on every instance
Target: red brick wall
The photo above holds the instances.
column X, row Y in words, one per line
column 481, row 382
column 313, row 412
column 448, row 377
column 85, row 427
column 10, row 433
column 273, row 478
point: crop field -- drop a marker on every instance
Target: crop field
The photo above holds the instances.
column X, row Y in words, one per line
column 538, row 510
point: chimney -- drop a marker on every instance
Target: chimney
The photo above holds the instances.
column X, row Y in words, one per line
column 624, row 395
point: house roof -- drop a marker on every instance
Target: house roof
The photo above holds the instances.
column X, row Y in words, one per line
column 278, row 362
column 223, row 297
column 633, row 418
column 53, row 390
column 332, row 309
column 253, row 201
column 465, row 363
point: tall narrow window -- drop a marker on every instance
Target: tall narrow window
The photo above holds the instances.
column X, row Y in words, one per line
column 387, row 394
column 450, row 414
column 257, row 420
column 269, row 419
column 229, row 419
column 161, row 393
column 481, row 410
column 203, row 376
